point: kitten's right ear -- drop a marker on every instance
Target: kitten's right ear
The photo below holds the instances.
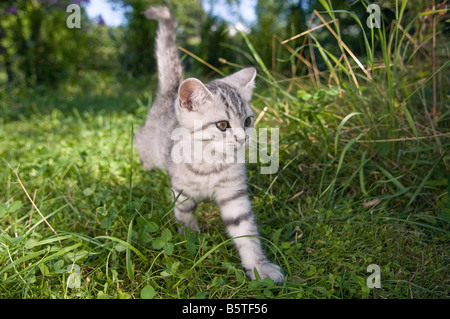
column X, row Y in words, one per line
column 244, row 80
column 193, row 94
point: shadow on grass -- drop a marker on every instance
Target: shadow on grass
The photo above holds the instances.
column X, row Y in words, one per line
column 101, row 94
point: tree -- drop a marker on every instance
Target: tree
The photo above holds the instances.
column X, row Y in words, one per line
column 35, row 43
column 139, row 37
column 283, row 18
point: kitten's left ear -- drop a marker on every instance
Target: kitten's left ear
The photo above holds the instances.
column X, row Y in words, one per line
column 244, row 80
column 193, row 94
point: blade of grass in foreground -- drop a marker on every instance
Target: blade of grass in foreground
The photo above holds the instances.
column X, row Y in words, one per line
column 264, row 68
column 418, row 224
column 23, row 259
column 422, row 184
column 129, row 264
column 127, row 245
column 339, row 129
column 341, row 160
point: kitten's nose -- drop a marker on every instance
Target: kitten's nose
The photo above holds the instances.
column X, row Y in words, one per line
column 239, row 139
column 239, row 135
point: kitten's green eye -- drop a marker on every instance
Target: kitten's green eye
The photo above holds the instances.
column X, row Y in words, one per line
column 222, row 125
column 248, row 121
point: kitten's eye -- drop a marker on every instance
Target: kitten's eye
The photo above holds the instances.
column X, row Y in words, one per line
column 223, row 125
column 248, row 121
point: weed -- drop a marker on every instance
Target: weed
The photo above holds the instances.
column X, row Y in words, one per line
column 362, row 180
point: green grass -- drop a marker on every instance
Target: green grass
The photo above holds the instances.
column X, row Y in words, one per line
column 363, row 180
column 115, row 221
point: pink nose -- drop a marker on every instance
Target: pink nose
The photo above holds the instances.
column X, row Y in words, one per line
column 240, row 140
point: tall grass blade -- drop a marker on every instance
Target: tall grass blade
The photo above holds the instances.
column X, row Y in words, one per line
column 424, row 181
column 127, row 245
column 341, row 160
column 129, row 264
column 339, row 129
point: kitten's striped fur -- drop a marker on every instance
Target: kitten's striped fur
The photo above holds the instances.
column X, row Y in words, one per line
column 177, row 105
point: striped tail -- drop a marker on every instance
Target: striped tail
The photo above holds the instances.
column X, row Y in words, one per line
column 170, row 72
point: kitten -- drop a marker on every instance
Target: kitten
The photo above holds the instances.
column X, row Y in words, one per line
column 226, row 120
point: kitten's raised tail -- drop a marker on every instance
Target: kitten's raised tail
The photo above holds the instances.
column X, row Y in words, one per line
column 170, row 72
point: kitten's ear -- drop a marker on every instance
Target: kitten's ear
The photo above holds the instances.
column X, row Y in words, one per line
column 193, row 94
column 244, row 80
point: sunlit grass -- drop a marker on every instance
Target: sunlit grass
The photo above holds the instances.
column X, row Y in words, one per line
column 363, row 180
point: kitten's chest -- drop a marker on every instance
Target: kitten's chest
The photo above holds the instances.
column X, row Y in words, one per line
column 205, row 186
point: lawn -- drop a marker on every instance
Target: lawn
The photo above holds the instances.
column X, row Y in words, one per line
column 363, row 180
column 74, row 157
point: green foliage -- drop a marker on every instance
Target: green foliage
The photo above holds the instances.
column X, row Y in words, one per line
column 137, row 53
column 38, row 47
column 281, row 18
column 363, row 178
column 139, row 38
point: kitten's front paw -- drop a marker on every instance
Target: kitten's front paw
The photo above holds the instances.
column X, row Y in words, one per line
column 267, row 269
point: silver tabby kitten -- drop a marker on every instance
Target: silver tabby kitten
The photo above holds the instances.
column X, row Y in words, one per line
column 222, row 107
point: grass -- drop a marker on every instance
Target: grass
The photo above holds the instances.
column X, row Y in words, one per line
column 363, row 180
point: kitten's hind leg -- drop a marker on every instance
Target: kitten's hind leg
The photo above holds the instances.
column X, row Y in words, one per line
column 184, row 213
column 143, row 143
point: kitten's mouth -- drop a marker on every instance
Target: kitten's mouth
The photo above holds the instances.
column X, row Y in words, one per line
column 234, row 146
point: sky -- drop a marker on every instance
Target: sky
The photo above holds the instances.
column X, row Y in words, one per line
column 246, row 8
column 103, row 8
column 115, row 17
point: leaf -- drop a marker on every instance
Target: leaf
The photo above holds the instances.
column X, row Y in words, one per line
column 445, row 215
column 191, row 247
column 166, row 235
column 15, row 206
column 148, row 292
column 168, row 248
column 58, row 266
column 240, row 277
column 62, row 252
column 165, row 273
column 102, row 295
column 158, row 243
column 120, row 247
column 383, row 148
column 174, row 267
column 105, row 222
column 88, row 191
column 75, row 256
column 124, row 295
column 44, row 269
column 151, row 227
column 102, row 210
column 276, row 235
column 200, row 295
column 305, row 96
column 30, row 243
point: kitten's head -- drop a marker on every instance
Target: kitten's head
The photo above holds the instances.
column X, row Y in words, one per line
column 221, row 106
